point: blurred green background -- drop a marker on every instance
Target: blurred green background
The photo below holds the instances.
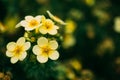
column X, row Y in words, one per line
column 91, row 45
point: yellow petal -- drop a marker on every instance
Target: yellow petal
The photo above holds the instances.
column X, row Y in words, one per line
column 23, row 23
column 21, row 41
column 37, row 50
column 18, row 25
column 38, row 18
column 11, row 46
column 22, row 56
column 29, row 28
column 28, row 18
column 43, row 19
column 55, row 18
column 53, row 44
column 54, row 55
column 14, row 60
column 27, row 45
column 9, row 53
column 52, row 32
column 43, row 30
column 56, row 27
column 43, row 58
column 42, row 41
column 49, row 22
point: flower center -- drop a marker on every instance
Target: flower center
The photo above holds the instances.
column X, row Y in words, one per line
column 33, row 23
column 48, row 24
column 46, row 50
column 18, row 49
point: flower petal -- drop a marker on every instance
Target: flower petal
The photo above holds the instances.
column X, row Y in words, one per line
column 54, row 55
column 27, row 45
column 29, row 28
column 52, row 31
column 23, row 23
column 55, row 18
column 43, row 19
column 43, row 58
column 21, row 41
column 53, row 44
column 22, row 56
column 42, row 41
column 37, row 50
column 38, row 18
column 9, row 54
column 14, row 59
column 11, row 46
column 56, row 27
column 18, row 25
column 43, row 30
column 28, row 18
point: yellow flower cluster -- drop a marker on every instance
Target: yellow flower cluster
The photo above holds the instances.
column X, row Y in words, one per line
column 46, row 46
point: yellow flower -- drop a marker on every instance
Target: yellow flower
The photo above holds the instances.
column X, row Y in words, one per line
column 90, row 2
column 2, row 28
column 17, row 51
column 30, row 23
column 117, row 24
column 10, row 22
column 46, row 49
column 48, row 27
column 75, row 64
column 70, row 27
column 68, row 41
column 56, row 18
